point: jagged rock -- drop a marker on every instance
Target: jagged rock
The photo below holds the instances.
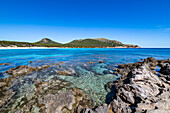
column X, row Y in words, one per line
column 2, row 84
column 100, row 109
column 120, row 107
column 158, row 111
column 103, row 109
column 165, row 69
column 140, row 89
column 126, row 95
column 163, row 104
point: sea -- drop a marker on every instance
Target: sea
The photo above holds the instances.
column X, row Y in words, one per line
column 82, row 64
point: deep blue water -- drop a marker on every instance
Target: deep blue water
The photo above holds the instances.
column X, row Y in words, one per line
column 22, row 56
column 91, row 78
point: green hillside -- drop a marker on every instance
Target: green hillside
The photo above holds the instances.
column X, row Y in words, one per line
column 14, row 43
column 87, row 43
column 98, row 42
column 91, row 43
column 47, row 41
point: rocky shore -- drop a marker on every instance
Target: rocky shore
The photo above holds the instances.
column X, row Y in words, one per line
column 144, row 87
column 141, row 89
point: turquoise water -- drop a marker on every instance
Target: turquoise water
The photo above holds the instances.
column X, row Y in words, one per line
column 23, row 56
column 91, row 78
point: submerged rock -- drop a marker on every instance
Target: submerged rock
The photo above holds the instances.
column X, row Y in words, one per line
column 21, row 70
column 64, row 73
column 4, row 63
column 101, row 61
column 91, row 62
column 53, row 96
column 61, row 102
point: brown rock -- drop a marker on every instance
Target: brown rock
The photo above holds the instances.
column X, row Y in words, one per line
column 63, row 73
column 45, row 66
column 101, row 61
column 39, row 68
column 4, row 63
column 21, row 70
column 91, row 62
column 152, row 68
column 62, row 62
column 57, row 64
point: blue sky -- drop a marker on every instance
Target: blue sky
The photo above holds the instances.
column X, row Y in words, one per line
column 142, row 22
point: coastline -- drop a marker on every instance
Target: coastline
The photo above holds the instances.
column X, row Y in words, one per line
column 56, row 47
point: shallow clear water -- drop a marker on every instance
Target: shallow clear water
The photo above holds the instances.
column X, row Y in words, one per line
column 91, row 78
column 23, row 56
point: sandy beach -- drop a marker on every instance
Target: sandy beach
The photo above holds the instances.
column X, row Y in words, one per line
column 23, row 47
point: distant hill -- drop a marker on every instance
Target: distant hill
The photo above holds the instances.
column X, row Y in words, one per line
column 108, row 41
column 98, row 42
column 16, row 44
column 92, row 43
column 47, row 41
column 86, row 43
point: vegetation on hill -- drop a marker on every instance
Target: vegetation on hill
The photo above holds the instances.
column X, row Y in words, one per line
column 92, row 43
column 14, row 44
column 86, row 43
column 47, row 41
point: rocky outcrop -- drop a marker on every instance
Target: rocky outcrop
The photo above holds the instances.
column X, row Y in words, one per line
column 140, row 89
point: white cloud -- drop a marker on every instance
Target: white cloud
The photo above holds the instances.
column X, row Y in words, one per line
column 166, row 29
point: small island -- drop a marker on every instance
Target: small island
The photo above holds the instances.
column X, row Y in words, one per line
column 81, row 43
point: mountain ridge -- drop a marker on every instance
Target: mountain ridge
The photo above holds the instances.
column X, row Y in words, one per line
column 80, row 43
